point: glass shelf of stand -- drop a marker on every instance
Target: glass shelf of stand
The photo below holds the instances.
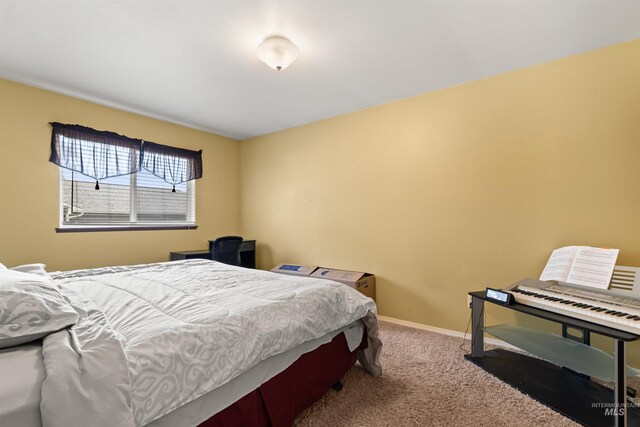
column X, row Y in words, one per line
column 561, row 351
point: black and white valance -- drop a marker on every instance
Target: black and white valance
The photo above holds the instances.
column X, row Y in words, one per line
column 173, row 165
column 101, row 155
column 96, row 154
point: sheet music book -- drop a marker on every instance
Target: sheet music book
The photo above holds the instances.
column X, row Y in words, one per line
column 581, row 265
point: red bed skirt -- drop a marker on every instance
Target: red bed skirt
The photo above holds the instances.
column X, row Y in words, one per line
column 278, row 401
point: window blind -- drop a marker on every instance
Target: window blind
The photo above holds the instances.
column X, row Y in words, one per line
column 137, row 199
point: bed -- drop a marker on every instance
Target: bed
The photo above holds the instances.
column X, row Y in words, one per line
column 183, row 343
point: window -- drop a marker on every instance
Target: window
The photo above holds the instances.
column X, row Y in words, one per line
column 136, row 200
column 110, row 181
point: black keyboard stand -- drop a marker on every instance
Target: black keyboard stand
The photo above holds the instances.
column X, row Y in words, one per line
column 573, row 395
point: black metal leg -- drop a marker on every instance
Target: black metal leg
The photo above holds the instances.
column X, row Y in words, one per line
column 620, row 387
column 477, row 327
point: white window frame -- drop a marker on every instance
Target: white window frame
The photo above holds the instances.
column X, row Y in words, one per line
column 133, row 224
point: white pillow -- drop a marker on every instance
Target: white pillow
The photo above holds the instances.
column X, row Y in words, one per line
column 31, row 307
column 32, row 269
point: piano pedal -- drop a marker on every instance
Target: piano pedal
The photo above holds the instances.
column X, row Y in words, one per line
column 631, row 392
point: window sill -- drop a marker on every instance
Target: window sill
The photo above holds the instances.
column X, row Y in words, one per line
column 89, row 228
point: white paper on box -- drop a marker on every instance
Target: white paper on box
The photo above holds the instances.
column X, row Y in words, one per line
column 339, row 275
column 294, row 269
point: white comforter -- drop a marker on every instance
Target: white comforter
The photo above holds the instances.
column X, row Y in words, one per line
column 154, row 337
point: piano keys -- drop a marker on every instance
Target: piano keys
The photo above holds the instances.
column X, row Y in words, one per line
column 617, row 307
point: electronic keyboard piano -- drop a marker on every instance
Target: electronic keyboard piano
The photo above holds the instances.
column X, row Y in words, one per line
column 617, row 307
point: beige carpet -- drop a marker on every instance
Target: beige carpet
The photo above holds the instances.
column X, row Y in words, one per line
column 426, row 382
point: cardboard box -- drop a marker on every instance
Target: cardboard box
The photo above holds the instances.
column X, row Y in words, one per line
column 363, row 282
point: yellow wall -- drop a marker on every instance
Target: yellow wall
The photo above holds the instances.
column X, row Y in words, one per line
column 29, row 190
column 453, row 191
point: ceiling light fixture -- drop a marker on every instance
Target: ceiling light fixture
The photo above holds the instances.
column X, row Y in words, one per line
column 277, row 52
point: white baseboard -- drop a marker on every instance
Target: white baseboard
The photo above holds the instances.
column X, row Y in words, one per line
column 492, row 341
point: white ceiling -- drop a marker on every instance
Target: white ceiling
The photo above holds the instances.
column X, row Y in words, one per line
column 194, row 62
